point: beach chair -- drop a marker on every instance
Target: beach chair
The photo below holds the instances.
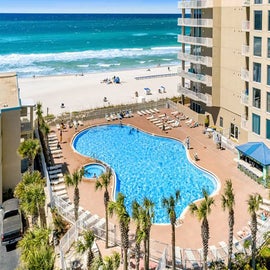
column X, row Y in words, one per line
column 147, row 111
column 139, row 113
column 107, row 117
column 152, row 111
column 150, row 117
column 80, row 123
column 156, row 110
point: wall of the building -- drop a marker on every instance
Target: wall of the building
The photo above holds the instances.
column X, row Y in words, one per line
column 11, row 161
column 264, row 61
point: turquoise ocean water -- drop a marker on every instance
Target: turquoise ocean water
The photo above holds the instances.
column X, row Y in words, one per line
column 54, row 44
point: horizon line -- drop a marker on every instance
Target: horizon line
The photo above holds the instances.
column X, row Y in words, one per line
column 88, row 13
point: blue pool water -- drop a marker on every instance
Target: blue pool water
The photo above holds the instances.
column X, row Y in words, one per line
column 146, row 166
column 93, row 170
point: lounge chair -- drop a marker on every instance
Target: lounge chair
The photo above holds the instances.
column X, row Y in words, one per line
column 162, row 115
column 147, row 111
column 143, row 112
column 224, row 247
column 152, row 111
column 154, row 119
column 175, row 113
column 107, row 117
column 58, row 187
column 150, row 117
column 80, row 123
column 189, row 121
column 139, row 113
column 215, row 253
column 176, row 124
column 56, row 176
column 156, row 110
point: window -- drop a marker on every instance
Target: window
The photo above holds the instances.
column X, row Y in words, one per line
column 221, row 121
column 257, row 20
column 269, row 20
column 268, row 47
column 256, row 123
column 234, row 131
column 257, row 49
column 268, row 75
column 268, row 102
column 267, row 129
column 256, row 72
column 258, row 2
column 196, row 107
column 256, row 101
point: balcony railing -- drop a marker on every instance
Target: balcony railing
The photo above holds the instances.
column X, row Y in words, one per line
column 244, row 122
column 208, row 42
column 246, row 3
column 196, row 59
column 200, row 78
column 244, row 98
column 244, row 74
column 205, row 98
column 195, row 22
column 195, row 4
column 246, row 26
column 245, row 50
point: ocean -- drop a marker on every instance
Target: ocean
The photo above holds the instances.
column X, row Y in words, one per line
column 58, row 44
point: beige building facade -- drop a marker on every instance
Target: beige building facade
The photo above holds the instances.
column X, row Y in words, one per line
column 16, row 124
column 225, row 57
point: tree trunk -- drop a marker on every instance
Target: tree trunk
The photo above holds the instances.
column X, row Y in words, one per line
column 76, row 202
column 173, row 246
column 107, row 222
column 231, row 224
column 205, row 238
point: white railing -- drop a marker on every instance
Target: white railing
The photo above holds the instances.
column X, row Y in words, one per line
column 205, row 79
column 244, row 122
column 244, row 74
column 246, row 3
column 195, row 22
column 245, row 50
column 208, row 42
column 195, row 3
column 196, row 59
column 207, row 99
column 245, row 26
column 244, row 98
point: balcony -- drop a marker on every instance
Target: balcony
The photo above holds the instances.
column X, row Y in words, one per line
column 244, row 122
column 245, row 74
column 195, row 22
column 245, row 50
column 200, row 78
column 244, row 98
column 246, row 26
column 195, row 4
column 207, row 42
column 246, row 3
column 205, row 98
column 196, row 59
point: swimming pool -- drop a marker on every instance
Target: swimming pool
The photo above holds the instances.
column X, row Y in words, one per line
column 146, row 166
column 93, row 170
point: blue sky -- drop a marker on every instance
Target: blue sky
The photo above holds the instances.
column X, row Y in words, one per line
column 89, row 6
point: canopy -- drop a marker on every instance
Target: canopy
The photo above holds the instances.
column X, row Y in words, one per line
column 257, row 151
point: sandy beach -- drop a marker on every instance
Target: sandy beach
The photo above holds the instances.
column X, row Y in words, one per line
column 87, row 91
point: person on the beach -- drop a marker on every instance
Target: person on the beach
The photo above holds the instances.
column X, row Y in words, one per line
column 60, row 135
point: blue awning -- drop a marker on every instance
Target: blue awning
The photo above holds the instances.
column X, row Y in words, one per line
column 258, row 151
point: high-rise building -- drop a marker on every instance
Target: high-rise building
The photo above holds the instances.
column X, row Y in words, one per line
column 16, row 124
column 225, row 65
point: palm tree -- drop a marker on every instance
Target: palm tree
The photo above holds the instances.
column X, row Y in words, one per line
column 30, row 192
column 147, row 216
column 118, row 207
column 202, row 211
column 254, row 202
column 39, row 114
column 36, row 252
column 29, row 149
column 136, row 216
column 104, row 182
column 170, row 204
column 86, row 245
column 108, row 263
column 74, row 180
column 228, row 203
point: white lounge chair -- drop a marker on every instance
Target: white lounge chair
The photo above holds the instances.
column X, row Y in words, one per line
column 147, row 111
column 156, row 110
column 80, row 123
column 139, row 113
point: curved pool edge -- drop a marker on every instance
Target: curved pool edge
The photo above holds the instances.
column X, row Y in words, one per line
column 182, row 216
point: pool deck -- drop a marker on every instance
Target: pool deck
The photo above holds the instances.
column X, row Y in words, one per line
column 220, row 162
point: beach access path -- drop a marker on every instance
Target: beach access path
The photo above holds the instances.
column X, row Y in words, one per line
column 86, row 91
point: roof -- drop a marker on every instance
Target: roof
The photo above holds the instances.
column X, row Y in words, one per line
column 8, row 91
column 257, row 151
